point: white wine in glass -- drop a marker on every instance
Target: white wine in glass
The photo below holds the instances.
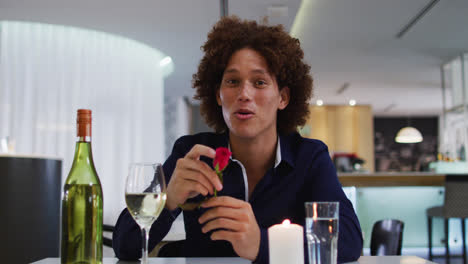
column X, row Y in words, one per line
column 145, row 195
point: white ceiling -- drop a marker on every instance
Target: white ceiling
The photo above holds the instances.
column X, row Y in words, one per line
column 345, row 41
column 354, row 42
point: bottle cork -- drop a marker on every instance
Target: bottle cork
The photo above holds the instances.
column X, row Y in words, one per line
column 83, row 123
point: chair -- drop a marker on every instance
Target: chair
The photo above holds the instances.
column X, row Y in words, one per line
column 170, row 249
column 165, row 249
column 386, row 237
column 455, row 206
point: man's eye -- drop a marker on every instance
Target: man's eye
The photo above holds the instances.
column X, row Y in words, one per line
column 230, row 81
column 260, row 82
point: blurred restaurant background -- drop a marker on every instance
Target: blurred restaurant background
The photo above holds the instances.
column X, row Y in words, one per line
column 378, row 67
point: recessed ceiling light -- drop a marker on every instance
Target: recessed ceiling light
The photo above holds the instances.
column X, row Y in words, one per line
column 352, row 102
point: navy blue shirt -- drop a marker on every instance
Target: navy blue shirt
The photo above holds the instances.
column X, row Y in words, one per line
column 304, row 173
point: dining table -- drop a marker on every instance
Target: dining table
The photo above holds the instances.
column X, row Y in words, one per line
column 361, row 260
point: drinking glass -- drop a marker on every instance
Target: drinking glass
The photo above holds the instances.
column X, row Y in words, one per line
column 145, row 196
column 322, row 231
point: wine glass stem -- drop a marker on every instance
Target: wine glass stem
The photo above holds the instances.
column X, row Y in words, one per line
column 145, row 236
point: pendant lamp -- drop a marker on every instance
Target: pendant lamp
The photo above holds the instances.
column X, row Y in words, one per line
column 408, row 135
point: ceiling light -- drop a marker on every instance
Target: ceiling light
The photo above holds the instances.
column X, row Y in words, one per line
column 352, row 102
column 408, row 135
column 343, row 88
column 319, row 102
column 389, row 107
column 417, row 18
column 166, row 60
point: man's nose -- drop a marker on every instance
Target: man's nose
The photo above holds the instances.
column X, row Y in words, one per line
column 245, row 91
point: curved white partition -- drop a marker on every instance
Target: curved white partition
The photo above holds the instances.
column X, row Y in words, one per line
column 48, row 71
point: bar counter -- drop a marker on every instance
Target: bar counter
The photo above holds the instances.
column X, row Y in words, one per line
column 401, row 195
column 387, row 179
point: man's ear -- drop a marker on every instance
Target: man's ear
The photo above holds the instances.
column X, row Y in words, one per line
column 218, row 98
column 285, row 96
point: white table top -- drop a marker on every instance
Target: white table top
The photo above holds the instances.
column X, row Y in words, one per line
column 391, row 260
column 162, row 261
column 362, row 260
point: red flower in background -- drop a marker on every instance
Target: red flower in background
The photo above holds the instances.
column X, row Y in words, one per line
column 220, row 162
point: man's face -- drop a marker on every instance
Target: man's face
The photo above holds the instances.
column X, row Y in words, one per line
column 249, row 95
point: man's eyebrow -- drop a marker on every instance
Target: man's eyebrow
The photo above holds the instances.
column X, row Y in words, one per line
column 231, row 71
column 259, row 71
column 252, row 71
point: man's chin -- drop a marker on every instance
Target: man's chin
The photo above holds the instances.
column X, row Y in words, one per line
column 244, row 133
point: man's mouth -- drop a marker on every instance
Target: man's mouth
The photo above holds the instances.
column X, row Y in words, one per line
column 243, row 114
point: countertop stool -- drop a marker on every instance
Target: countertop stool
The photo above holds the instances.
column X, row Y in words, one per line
column 455, row 206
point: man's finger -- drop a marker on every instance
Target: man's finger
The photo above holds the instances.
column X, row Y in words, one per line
column 221, row 212
column 197, row 176
column 225, row 201
column 200, row 188
column 203, row 170
column 200, row 150
column 224, row 223
column 229, row 236
column 207, row 171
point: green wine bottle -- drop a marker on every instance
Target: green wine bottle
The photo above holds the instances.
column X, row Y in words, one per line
column 82, row 202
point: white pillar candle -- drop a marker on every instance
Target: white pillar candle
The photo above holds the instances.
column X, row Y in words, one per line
column 286, row 243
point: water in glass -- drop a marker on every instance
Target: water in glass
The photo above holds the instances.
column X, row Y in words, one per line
column 322, row 237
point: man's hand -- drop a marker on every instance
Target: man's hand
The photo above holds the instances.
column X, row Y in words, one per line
column 237, row 222
column 192, row 177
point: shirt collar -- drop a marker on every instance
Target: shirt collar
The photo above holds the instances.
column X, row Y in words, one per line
column 278, row 153
column 283, row 149
column 286, row 142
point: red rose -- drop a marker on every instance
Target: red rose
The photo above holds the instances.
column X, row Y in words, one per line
column 220, row 162
column 221, row 159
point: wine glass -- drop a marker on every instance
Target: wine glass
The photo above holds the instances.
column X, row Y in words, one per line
column 145, row 195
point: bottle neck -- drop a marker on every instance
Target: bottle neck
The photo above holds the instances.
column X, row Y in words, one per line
column 83, row 148
column 83, row 144
column 83, row 170
column 83, row 151
column 83, row 139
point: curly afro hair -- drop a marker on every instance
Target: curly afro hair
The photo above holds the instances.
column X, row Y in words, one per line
column 284, row 57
